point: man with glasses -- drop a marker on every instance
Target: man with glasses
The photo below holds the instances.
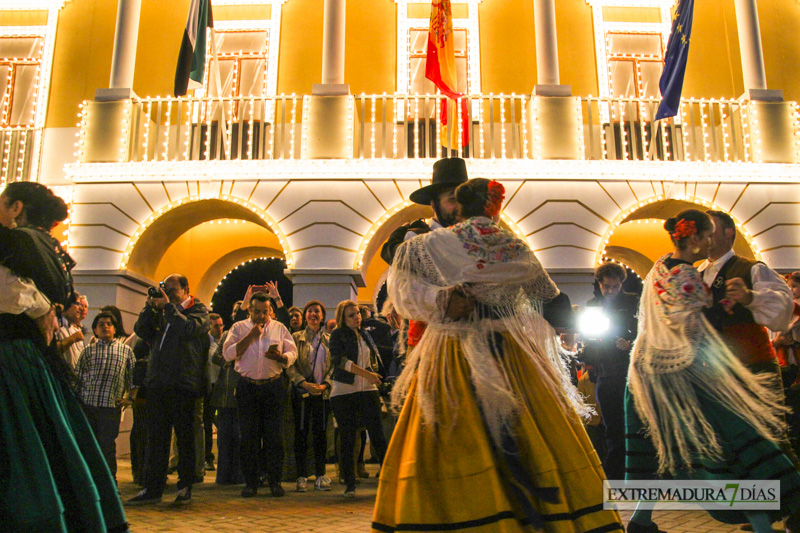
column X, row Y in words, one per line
column 176, row 326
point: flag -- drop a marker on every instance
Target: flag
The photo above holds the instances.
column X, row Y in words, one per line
column 192, row 57
column 440, row 68
column 671, row 82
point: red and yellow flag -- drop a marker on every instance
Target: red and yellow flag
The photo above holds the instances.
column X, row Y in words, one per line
column 440, row 68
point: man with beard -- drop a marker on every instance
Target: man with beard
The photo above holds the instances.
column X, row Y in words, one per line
column 440, row 195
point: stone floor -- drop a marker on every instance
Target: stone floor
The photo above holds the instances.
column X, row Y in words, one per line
column 220, row 508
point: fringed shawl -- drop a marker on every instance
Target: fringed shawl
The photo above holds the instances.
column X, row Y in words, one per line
column 678, row 353
column 510, row 285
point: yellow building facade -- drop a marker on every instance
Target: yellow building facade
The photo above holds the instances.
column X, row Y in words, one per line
column 266, row 160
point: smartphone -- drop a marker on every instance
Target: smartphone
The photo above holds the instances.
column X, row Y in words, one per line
column 271, row 346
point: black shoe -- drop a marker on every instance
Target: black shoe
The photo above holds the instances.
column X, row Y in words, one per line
column 249, row 492
column 184, row 496
column 635, row 527
column 144, row 497
column 276, row 490
column 350, row 491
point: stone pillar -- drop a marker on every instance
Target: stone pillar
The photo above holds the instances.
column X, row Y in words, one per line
column 333, row 27
column 544, row 12
column 554, row 125
column 123, row 59
column 329, row 286
column 750, row 46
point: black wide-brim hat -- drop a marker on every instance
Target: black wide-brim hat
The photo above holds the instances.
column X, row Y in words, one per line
column 447, row 173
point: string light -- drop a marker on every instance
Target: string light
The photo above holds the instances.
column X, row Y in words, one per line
column 622, row 218
column 260, row 213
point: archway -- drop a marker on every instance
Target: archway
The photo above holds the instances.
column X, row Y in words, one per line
column 636, row 238
column 159, row 232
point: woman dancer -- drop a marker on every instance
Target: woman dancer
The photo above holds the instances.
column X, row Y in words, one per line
column 53, row 476
column 490, row 436
column 708, row 417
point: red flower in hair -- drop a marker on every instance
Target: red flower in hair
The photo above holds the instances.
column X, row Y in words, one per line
column 494, row 202
column 684, row 228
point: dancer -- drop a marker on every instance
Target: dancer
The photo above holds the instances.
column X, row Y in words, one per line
column 707, row 416
column 490, row 435
column 53, row 477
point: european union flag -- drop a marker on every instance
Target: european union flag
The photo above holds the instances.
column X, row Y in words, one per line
column 675, row 63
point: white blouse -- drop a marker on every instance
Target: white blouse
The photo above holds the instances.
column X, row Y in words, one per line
column 360, row 384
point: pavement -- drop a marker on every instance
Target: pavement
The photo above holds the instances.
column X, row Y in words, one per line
column 220, row 508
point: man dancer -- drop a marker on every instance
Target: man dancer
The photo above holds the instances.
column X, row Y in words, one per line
column 749, row 297
column 440, row 195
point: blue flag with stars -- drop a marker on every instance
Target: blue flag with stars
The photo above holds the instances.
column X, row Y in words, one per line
column 671, row 82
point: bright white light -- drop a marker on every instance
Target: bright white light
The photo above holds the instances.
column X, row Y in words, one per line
column 593, row 322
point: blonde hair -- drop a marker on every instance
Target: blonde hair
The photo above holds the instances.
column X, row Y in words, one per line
column 340, row 309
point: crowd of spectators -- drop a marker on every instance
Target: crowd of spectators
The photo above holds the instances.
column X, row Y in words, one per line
column 186, row 378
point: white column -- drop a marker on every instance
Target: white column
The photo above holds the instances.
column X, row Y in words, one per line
column 750, row 45
column 333, row 42
column 126, row 36
column 544, row 12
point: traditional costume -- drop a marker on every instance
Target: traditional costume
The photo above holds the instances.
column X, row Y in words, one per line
column 53, row 476
column 490, row 436
column 693, row 409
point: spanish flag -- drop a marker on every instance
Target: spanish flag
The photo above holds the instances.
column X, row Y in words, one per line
column 440, row 68
column 192, row 57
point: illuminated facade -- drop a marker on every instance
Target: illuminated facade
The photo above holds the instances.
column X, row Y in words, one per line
column 266, row 161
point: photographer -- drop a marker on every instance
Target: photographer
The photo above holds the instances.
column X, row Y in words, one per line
column 609, row 354
column 176, row 326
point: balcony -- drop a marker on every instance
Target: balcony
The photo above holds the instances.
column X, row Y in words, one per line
column 502, row 126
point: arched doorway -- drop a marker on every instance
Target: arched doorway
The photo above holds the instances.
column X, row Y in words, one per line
column 637, row 237
column 203, row 239
column 255, row 271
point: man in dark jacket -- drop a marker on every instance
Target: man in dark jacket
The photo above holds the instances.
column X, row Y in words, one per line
column 176, row 326
column 610, row 357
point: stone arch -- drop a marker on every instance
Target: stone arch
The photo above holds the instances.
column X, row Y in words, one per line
column 636, row 237
column 152, row 239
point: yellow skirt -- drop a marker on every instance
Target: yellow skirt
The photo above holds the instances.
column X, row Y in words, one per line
column 445, row 477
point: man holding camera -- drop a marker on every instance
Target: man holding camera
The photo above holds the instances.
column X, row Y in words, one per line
column 176, row 326
column 262, row 349
column 609, row 354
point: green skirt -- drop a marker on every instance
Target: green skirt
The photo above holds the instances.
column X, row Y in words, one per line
column 746, row 455
column 53, row 476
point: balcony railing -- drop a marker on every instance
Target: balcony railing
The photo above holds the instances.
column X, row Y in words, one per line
column 18, row 153
column 399, row 126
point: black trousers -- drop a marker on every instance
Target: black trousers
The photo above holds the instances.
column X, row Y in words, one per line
column 138, row 441
column 352, row 411
column 610, row 392
column 105, row 424
column 309, row 415
column 168, row 409
column 209, row 415
column 261, row 417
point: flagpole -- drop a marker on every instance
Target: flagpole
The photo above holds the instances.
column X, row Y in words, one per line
column 218, row 83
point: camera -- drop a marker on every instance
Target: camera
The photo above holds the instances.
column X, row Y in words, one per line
column 154, row 292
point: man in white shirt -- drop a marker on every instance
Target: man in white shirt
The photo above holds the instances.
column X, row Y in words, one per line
column 262, row 349
column 70, row 337
column 749, row 297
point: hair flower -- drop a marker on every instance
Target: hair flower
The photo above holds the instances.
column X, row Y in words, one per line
column 495, row 193
column 684, row 228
